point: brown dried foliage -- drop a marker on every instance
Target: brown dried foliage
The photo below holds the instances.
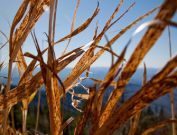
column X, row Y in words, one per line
column 103, row 120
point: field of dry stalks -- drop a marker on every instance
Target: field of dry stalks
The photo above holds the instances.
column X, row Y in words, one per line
column 102, row 120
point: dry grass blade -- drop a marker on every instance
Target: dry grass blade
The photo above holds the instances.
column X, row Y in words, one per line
column 110, row 51
column 67, row 122
column 52, row 67
column 172, row 100
column 20, row 13
column 24, row 29
column 24, row 110
column 3, row 45
column 122, row 15
column 169, row 38
column 22, row 66
column 159, row 85
column 25, row 102
column 112, row 56
column 28, row 73
column 99, row 96
column 113, row 15
column 83, row 96
column 136, row 118
column 108, row 79
column 96, row 31
column 4, row 35
column 169, row 22
column 131, row 25
column 106, row 27
column 38, row 111
column 72, row 25
column 6, row 39
column 81, row 27
column 134, row 124
column 70, row 54
column 148, row 40
column 158, row 126
column 94, row 37
column 54, row 16
column 18, row 41
column 97, row 81
column 52, row 83
column 36, row 58
column 145, row 75
column 26, row 23
column 44, row 66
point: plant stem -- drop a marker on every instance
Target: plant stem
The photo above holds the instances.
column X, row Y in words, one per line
column 172, row 102
column 38, row 111
column 6, row 111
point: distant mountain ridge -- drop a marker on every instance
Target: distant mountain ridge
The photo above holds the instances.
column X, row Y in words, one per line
column 99, row 73
column 96, row 72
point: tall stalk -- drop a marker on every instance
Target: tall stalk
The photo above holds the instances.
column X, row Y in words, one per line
column 24, row 115
column 6, row 111
column 52, row 91
column 135, row 119
column 172, row 101
column 38, row 110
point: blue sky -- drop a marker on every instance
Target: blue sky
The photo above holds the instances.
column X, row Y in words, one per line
column 156, row 58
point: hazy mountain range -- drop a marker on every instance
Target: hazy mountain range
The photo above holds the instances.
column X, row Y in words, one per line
column 99, row 73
